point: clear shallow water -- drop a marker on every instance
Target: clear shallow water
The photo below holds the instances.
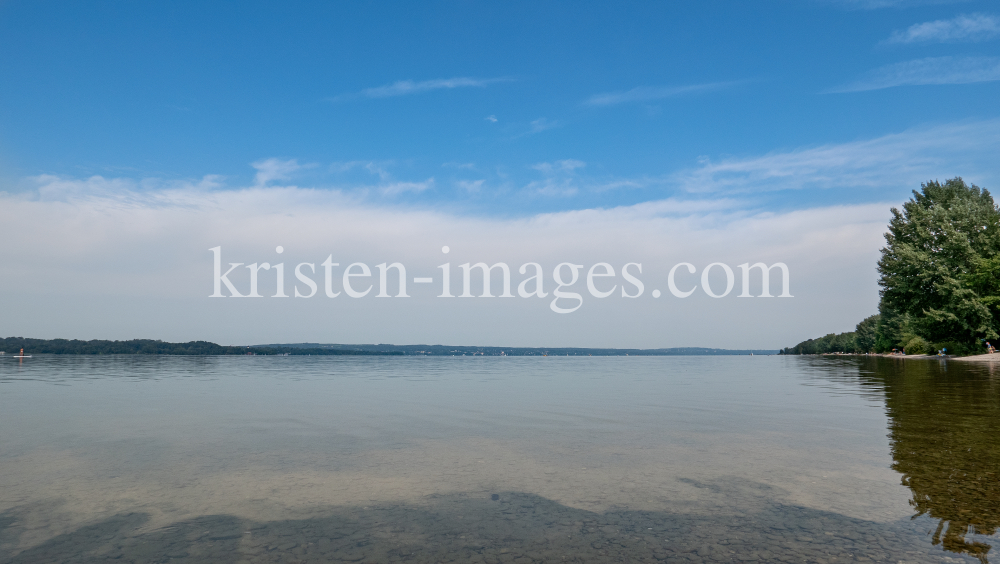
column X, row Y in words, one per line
column 355, row 459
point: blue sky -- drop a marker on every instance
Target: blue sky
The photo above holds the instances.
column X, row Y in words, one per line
column 134, row 136
column 595, row 104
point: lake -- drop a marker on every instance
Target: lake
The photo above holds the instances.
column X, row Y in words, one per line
column 498, row 459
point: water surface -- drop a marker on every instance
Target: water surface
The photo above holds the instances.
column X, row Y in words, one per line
column 517, row 459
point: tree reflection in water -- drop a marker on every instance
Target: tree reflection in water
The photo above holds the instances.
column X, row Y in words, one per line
column 944, row 420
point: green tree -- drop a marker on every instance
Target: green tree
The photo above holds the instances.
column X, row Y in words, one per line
column 940, row 253
column 889, row 329
column 985, row 281
column 864, row 334
column 843, row 342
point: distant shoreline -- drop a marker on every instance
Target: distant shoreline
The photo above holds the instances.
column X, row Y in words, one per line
column 12, row 345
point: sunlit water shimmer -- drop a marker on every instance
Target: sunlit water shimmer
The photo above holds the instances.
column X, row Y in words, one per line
column 596, row 459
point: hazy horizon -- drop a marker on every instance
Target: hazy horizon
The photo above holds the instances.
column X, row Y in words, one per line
column 516, row 134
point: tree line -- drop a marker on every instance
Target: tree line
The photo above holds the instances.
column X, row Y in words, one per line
column 939, row 275
column 861, row 340
column 12, row 345
column 146, row 346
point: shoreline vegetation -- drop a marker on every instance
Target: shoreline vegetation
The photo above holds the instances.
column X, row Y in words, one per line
column 939, row 275
column 11, row 345
column 154, row 347
column 973, row 358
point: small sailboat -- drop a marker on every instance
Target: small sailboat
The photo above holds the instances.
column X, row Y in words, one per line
column 22, row 355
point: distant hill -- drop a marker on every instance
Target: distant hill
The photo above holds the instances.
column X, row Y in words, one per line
column 147, row 346
column 12, row 345
column 445, row 350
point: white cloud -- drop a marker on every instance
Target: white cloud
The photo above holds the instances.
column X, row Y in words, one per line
column 618, row 184
column 566, row 165
column 897, row 160
column 471, row 186
column 406, row 87
column 552, row 187
column 932, row 70
column 541, row 124
column 559, row 178
column 460, row 166
column 119, row 258
column 120, row 262
column 973, row 27
column 380, row 171
column 650, row 93
column 274, row 169
column 397, row 188
column 878, row 4
column 491, row 119
column 377, row 168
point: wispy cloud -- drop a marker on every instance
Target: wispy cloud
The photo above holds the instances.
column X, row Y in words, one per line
column 650, row 93
column 892, row 161
column 537, row 126
column 471, row 186
column 541, row 124
column 623, row 184
column 552, row 187
column 396, row 188
column 932, row 70
column 374, row 167
column 274, row 169
column 406, row 87
column 460, row 166
column 559, row 178
column 879, row 4
column 566, row 165
column 491, row 119
column 973, row 27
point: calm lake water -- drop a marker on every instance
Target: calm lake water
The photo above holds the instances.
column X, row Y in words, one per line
column 517, row 459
